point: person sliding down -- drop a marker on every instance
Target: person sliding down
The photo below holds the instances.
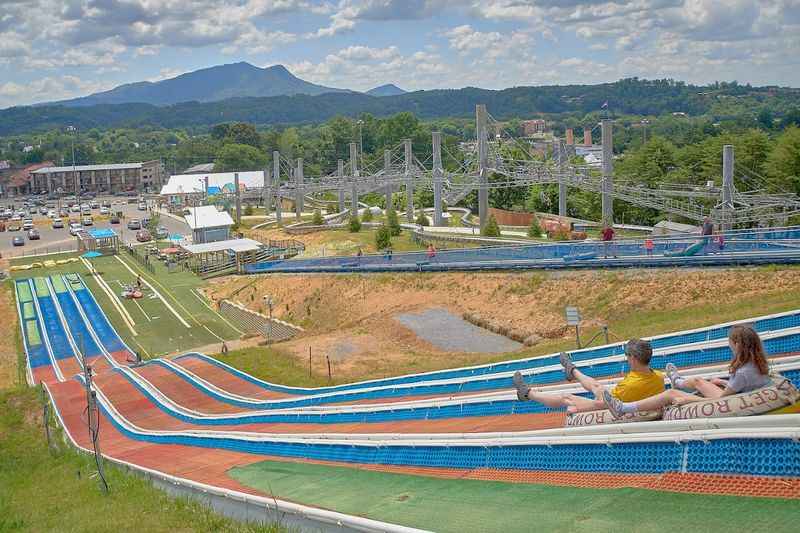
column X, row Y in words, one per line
column 641, row 382
column 748, row 371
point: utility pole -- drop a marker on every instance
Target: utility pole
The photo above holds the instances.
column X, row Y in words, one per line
column 353, row 178
column 340, row 174
column 607, row 184
column 727, row 186
column 276, row 176
column 74, row 132
column 562, row 186
column 387, row 167
column 298, row 198
column 92, row 417
column 483, row 156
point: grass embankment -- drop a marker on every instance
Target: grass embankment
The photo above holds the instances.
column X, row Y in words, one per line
column 460, row 505
column 44, row 489
column 158, row 329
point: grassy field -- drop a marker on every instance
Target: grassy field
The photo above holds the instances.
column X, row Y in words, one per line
column 157, row 325
column 53, row 489
column 460, row 505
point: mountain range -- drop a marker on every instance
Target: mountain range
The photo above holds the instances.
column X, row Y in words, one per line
column 236, row 80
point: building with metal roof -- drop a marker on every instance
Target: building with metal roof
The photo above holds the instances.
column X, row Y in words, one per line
column 109, row 178
column 208, row 224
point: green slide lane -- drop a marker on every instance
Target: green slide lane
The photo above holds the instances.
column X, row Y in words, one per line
column 41, row 287
column 24, row 292
column 461, row 505
column 58, row 284
column 28, row 311
column 32, row 329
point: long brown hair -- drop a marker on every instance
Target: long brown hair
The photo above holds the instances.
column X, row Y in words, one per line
column 747, row 347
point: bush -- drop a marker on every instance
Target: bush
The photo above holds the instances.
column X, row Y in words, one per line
column 367, row 216
column 354, row 225
column 393, row 222
column 317, row 220
column 422, row 220
column 492, row 229
column 383, row 237
column 332, row 209
column 534, row 230
column 248, row 210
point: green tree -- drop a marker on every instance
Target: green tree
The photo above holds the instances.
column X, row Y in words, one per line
column 535, row 229
column 422, row 220
column 383, row 237
column 318, row 220
column 783, row 164
column 248, row 210
column 393, row 222
column 243, row 133
column 232, row 157
column 492, row 228
column 366, row 216
column 354, row 225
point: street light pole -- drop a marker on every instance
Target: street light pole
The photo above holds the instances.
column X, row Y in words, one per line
column 74, row 131
column 360, row 142
column 268, row 301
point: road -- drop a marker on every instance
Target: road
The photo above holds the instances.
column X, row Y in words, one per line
column 53, row 240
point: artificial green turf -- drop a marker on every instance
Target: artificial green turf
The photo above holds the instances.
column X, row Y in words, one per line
column 28, row 310
column 24, row 292
column 460, row 505
column 41, row 287
column 58, row 284
column 32, row 329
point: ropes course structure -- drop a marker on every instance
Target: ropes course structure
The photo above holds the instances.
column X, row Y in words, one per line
column 502, row 161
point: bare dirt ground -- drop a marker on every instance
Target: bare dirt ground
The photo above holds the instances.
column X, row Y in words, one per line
column 8, row 330
column 350, row 317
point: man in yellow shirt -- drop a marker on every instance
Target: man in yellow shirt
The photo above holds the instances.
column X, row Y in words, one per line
column 640, row 382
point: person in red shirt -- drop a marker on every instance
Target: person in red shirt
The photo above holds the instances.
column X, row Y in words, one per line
column 607, row 235
column 649, row 245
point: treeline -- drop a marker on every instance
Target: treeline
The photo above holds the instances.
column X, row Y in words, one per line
column 629, row 96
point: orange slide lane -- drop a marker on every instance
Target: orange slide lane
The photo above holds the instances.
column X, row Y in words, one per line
column 227, row 381
column 210, row 466
column 139, row 410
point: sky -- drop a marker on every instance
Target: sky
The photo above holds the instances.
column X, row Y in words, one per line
column 51, row 50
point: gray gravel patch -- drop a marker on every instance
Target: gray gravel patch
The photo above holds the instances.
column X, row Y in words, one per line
column 454, row 334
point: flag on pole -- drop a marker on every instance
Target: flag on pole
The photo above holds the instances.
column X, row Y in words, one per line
column 605, row 105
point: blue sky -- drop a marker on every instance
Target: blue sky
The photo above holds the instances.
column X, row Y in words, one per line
column 51, row 50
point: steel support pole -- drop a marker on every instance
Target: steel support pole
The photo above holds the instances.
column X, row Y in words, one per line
column 298, row 194
column 340, row 174
column 608, row 171
column 353, row 178
column 438, row 219
column 483, row 155
column 237, row 198
column 409, row 180
column 387, row 168
column 266, row 196
column 276, row 176
column 562, row 186
column 727, row 186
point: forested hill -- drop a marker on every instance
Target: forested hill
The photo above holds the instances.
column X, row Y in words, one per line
column 630, row 96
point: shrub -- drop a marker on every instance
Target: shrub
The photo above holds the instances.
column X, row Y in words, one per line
column 383, row 237
column 367, row 216
column 354, row 225
column 534, row 230
column 422, row 220
column 332, row 209
column 491, row 229
column 317, row 220
column 248, row 210
column 393, row 222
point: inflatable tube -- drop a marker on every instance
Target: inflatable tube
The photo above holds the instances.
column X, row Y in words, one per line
column 604, row 416
column 779, row 393
column 688, row 251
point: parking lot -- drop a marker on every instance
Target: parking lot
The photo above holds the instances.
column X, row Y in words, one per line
column 53, row 240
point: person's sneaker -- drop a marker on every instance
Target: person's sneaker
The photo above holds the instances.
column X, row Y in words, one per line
column 612, row 404
column 674, row 377
column 569, row 366
column 521, row 386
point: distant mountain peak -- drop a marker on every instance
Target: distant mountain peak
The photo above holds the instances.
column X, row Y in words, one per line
column 211, row 84
column 390, row 89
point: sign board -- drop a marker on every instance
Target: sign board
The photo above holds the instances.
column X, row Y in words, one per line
column 573, row 316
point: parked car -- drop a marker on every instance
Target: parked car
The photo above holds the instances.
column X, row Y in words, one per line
column 33, row 235
column 43, row 210
column 74, row 228
column 87, row 221
column 75, row 208
column 105, row 203
column 18, row 241
column 145, row 222
column 134, row 224
column 94, row 204
column 143, row 235
column 58, row 223
column 27, row 224
column 161, row 232
column 51, row 214
column 63, row 213
column 13, row 226
column 142, row 206
column 105, row 211
column 114, row 219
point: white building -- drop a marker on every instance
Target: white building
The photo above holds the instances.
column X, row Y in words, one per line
column 208, row 224
column 181, row 187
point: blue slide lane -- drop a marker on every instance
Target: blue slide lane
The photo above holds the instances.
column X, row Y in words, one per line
column 769, row 324
column 37, row 353
column 77, row 326
column 55, row 331
column 102, row 327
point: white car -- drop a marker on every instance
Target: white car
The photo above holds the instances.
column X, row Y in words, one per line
column 104, row 211
column 27, row 224
column 74, row 228
column 51, row 214
column 75, row 208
